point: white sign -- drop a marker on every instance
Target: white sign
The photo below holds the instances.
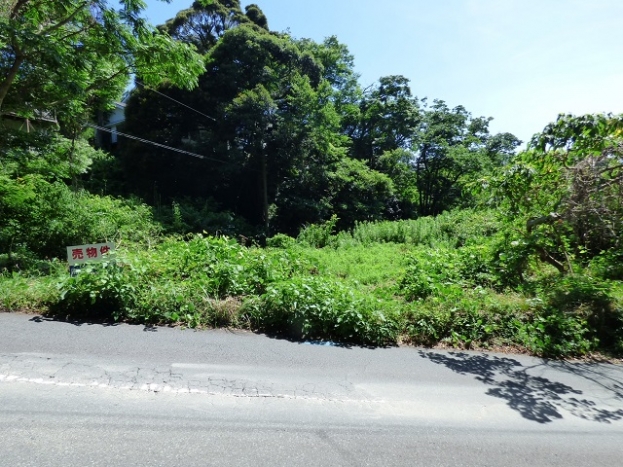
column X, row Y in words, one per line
column 80, row 254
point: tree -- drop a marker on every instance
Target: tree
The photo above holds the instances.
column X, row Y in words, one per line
column 361, row 194
column 502, row 147
column 338, row 69
column 257, row 16
column 270, row 95
column 205, row 22
column 451, row 149
column 565, row 193
column 74, row 56
column 259, row 89
column 387, row 119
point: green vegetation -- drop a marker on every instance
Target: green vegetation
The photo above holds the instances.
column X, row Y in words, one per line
column 425, row 291
column 314, row 209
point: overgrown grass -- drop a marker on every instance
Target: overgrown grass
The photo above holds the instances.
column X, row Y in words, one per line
column 447, row 281
column 321, row 308
column 372, row 268
column 451, row 229
column 29, row 293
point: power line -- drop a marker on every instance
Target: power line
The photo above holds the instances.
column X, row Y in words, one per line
column 176, row 101
column 153, row 143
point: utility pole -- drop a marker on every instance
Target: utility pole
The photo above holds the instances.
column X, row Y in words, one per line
column 264, row 175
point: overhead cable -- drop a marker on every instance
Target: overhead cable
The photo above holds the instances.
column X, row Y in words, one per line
column 153, row 143
column 176, row 101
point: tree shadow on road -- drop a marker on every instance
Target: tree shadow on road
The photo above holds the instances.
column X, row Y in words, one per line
column 286, row 336
column 74, row 321
column 85, row 321
column 535, row 398
column 602, row 375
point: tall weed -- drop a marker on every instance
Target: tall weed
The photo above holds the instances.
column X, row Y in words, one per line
column 176, row 281
column 318, row 235
column 430, row 272
column 317, row 308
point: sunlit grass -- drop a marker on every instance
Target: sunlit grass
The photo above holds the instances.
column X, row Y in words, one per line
column 375, row 267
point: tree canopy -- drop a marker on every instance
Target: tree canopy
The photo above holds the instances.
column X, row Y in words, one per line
column 284, row 133
column 70, row 57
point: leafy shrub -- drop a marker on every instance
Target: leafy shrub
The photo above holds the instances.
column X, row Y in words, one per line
column 189, row 215
column 359, row 192
column 176, row 281
column 553, row 333
column 509, row 261
column 44, row 217
column 430, row 272
column 426, row 327
column 317, row 308
column 464, row 319
column 102, row 291
column 318, row 235
column 107, row 291
column 475, row 265
column 608, row 265
column 280, row 241
column 587, row 300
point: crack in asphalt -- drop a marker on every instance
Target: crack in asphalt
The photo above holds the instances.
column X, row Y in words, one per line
column 169, row 379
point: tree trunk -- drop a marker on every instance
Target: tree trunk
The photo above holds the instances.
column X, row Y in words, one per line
column 5, row 85
column 550, row 219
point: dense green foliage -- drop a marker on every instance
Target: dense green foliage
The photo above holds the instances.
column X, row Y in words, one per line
column 313, row 208
column 318, row 308
column 360, row 289
column 287, row 137
column 70, row 57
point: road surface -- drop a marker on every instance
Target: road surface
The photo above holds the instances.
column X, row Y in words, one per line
column 89, row 394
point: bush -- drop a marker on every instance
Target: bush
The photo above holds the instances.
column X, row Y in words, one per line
column 280, row 241
column 608, row 265
column 109, row 292
column 553, row 333
column 316, row 308
column 102, row 291
column 587, row 301
column 465, row 319
column 193, row 281
column 41, row 218
column 509, row 261
column 430, row 272
column 189, row 215
column 475, row 265
column 318, row 235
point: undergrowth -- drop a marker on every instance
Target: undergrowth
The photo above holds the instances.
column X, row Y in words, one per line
column 449, row 281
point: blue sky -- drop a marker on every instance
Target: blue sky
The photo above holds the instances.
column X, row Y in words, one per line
column 520, row 61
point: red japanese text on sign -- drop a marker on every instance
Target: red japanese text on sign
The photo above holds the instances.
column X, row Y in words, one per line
column 78, row 254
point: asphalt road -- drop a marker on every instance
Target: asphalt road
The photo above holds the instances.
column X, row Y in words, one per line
column 87, row 394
